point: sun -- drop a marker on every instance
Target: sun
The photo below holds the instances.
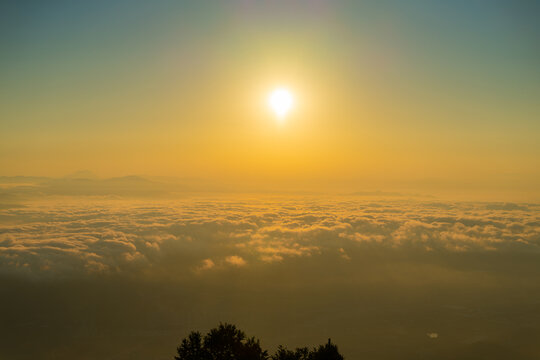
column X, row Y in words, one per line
column 281, row 101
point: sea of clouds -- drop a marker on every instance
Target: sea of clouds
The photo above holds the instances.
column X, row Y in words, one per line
column 123, row 277
column 74, row 237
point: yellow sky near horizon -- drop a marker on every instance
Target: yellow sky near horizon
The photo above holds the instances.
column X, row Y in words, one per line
column 378, row 104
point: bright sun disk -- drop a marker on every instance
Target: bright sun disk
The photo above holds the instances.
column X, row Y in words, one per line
column 281, row 101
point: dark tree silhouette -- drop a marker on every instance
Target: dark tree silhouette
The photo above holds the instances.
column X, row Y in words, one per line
column 192, row 348
column 226, row 342
column 328, row 351
column 285, row 354
column 323, row 352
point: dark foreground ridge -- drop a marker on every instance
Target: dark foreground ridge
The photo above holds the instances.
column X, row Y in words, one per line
column 226, row 342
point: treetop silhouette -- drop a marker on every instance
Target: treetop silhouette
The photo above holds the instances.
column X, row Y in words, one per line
column 226, row 342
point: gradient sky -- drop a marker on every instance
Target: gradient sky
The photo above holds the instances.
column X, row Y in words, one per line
column 390, row 94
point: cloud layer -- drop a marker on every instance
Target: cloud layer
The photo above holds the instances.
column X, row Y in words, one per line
column 75, row 237
column 384, row 277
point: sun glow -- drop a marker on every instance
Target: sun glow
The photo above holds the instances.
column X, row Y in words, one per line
column 281, row 101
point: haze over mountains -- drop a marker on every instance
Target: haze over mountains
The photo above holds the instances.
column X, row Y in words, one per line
column 87, row 184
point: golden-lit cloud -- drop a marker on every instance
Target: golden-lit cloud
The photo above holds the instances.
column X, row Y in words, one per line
column 235, row 260
column 97, row 236
column 385, row 261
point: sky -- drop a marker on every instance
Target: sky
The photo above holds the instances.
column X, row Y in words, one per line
column 426, row 95
column 147, row 188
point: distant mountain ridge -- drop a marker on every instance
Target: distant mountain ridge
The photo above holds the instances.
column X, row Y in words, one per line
column 85, row 183
column 21, row 186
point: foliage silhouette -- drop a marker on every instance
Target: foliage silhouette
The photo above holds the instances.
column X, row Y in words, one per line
column 285, row 354
column 226, row 342
column 328, row 351
column 192, row 348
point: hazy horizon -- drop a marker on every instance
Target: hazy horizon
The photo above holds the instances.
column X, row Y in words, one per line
column 88, row 183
